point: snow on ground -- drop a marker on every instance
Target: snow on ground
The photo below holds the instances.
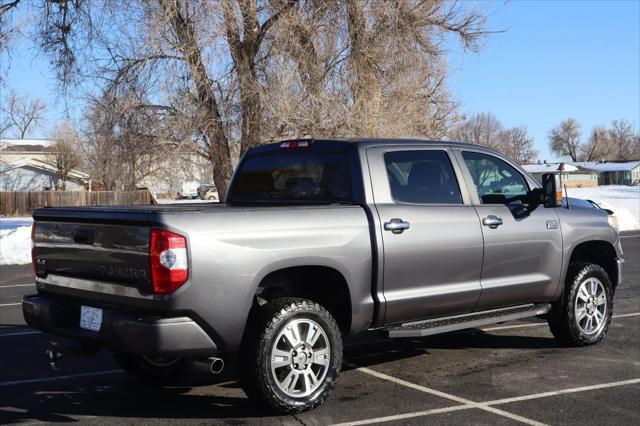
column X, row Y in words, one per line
column 15, row 246
column 15, row 240
column 624, row 201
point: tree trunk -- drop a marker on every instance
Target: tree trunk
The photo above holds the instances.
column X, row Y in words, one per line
column 208, row 111
column 366, row 88
column 311, row 71
column 243, row 54
column 250, row 106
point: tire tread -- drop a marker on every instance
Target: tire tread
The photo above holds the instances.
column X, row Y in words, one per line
column 561, row 318
column 255, row 381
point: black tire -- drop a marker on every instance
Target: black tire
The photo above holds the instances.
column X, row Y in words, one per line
column 256, row 376
column 154, row 370
column 563, row 318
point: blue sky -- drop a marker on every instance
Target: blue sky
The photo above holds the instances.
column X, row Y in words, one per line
column 556, row 60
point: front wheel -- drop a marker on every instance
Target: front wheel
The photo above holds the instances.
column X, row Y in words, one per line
column 583, row 315
column 294, row 356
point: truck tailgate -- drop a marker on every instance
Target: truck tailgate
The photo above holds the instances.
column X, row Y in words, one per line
column 80, row 245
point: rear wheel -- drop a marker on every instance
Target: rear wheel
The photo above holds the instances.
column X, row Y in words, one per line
column 293, row 357
column 583, row 315
column 151, row 368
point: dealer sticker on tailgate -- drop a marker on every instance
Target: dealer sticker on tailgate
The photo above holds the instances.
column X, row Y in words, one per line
column 90, row 318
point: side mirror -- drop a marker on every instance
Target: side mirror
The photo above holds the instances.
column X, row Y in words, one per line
column 550, row 195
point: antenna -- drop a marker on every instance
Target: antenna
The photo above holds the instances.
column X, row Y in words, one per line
column 566, row 195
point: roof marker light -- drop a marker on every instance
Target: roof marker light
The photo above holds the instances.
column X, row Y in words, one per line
column 294, row 144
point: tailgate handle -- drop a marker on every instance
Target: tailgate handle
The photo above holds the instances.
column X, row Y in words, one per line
column 83, row 236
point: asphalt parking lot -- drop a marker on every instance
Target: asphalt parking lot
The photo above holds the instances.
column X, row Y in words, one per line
column 504, row 374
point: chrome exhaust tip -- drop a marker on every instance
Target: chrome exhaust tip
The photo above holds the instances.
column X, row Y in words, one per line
column 217, row 365
column 214, row 364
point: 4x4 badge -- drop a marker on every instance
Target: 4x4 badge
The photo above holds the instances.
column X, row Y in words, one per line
column 552, row 224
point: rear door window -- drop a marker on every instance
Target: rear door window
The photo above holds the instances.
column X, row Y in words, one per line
column 422, row 177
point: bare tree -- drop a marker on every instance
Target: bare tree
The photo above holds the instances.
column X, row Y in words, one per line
column 5, row 124
column 235, row 73
column 598, row 146
column 7, row 29
column 22, row 114
column 125, row 139
column 66, row 153
column 516, row 144
column 621, row 136
column 482, row 128
column 209, row 115
column 245, row 35
column 635, row 147
column 100, row 143
column 564, row 139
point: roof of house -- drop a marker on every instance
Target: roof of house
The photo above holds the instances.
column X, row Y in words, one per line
column 42, row 165
column 609, row 166
column 28, row 145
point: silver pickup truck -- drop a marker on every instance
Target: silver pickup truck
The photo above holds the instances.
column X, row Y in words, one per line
column 319, row 240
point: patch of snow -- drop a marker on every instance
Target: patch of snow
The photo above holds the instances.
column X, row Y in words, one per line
column 15, row 222
column 624, row 201
column 15, row 246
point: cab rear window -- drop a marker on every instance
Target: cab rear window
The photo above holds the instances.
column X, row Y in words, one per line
column 302, row 175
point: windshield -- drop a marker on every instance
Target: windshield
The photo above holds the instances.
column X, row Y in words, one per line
column 304, row 175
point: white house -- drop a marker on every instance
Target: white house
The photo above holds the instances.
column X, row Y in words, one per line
column 37, row 175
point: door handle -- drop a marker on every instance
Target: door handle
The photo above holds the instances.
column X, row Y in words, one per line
column 397, row 226
column 492, row 221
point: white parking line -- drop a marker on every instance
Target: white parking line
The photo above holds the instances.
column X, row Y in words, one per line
column 464, row 401
column 17, row 285
column 405, row 416
column 10, row 304
column 507, row 327
column 487, row 406
column 563, row 392
column 635, row 314
column 51, row 379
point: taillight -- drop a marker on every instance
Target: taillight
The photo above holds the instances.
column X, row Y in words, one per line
column 33, row 247
column 168, row 261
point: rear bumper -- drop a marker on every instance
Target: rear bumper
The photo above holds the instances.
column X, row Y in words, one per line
column 125, row 332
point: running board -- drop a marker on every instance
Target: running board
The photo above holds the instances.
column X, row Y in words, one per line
column 472, row 320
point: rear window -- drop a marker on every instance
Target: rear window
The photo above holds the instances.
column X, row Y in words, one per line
column 301, row 175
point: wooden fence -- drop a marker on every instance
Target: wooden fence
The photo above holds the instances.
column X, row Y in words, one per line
column 22, row 203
